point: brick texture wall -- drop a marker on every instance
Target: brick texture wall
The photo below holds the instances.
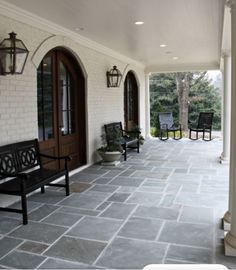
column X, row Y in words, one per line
column 18, row 93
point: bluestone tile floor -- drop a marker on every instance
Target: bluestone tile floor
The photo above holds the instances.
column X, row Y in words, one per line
column 163, row 205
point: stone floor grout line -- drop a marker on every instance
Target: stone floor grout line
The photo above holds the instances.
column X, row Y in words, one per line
column 115, row 235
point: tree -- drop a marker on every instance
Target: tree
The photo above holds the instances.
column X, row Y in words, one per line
column 185, row 94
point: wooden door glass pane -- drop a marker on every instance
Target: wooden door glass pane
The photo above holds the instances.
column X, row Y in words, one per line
column 67, row 104
column 45, row 100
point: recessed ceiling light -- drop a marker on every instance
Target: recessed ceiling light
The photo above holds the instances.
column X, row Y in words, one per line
column 139, row 23
column 175, row 58
column 79, row 29
column 163, row 45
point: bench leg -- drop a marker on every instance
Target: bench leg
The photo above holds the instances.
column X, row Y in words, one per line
column 42, row 189
column 67, row 184
column 24, row 209
column 125, row 152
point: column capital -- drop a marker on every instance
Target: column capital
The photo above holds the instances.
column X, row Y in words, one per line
column 231, row 4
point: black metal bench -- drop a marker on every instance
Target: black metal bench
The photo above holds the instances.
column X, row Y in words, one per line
column 22, row 171
column 127, row 139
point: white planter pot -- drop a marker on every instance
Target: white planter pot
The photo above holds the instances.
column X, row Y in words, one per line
column 110, row 156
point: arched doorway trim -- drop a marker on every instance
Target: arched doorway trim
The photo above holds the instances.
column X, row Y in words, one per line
column 53, row 42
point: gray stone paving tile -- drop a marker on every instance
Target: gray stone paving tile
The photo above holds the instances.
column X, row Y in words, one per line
column 84, row 177
column 83, row 201
column 127, row 173
column 102, row 180
column 95, row 170
column 104, row 188
column 202, row 171
column 22, row 260
column 79, row 187
column 78, row 211
column 119, row 197
column 113, row 173
column 77, row 250
column 33, row 247
column 62, row 219
column 95, row 228
column 50, row 197
column 60, row 264
column 126, row 189
column 145, row 198
column 7, row 244
column 118, row 210
column 154, row 175
column 207, row 200
column 156, row 212
column 193, row 254
column 180, row 170
column 103, row 206
column 197, row 235
column 168, row 200
column 197, row 215
column 39, row 232
column 151, row 189
column 173, row 188
column 42, row 212
column 8, row 224
column 141, row 228
column 190, row 187
column 131, row 254
column 170, row 261
column 127, row 181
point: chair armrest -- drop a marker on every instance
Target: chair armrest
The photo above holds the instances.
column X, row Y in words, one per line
column 163, row 126
column 67, row 158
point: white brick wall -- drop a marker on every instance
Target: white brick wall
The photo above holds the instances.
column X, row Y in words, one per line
column 18, row 93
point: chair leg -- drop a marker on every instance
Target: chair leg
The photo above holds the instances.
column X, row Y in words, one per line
column 138, row 145
column 43, row 189
column 167, row 135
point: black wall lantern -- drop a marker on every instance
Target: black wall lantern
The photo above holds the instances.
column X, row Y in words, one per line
column 114, row 77
column 13, row 55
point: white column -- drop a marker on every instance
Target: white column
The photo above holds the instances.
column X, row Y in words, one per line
column 226, row 130
column 226, row 108
column 230, row 238
column 147, row 111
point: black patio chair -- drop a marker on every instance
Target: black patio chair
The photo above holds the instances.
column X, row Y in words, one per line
column 167, row 125
column 203, row 126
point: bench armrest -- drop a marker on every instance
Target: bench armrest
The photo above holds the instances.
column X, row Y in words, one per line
column 67, row 158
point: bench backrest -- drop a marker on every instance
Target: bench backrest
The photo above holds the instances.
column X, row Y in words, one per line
column 113, row 132
column 205, row 119
column 19, row 157
column 166, row 119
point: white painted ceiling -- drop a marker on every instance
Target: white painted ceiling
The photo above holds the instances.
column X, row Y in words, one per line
column 192, row 29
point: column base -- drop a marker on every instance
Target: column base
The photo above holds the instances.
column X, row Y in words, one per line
column 230, row 245
column 227, row 221
column 224, row 160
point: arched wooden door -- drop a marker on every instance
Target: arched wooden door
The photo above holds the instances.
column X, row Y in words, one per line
column 131, row 112
column 61, row 108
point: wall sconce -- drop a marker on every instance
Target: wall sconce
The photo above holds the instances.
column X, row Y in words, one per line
column 114, row 77
column 13, row 55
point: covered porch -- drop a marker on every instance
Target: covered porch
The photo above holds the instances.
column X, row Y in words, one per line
column 164, row 205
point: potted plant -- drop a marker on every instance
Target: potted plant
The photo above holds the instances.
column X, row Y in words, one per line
column 111, row 152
